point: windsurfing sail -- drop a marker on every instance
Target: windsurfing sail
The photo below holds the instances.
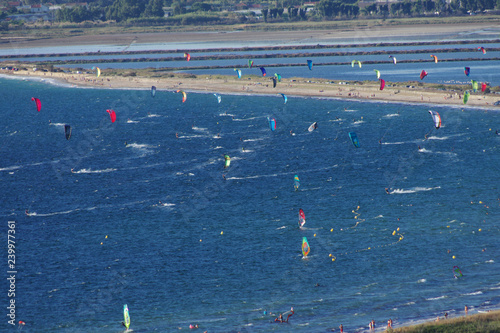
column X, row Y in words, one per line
column 436, row 118
column 435, row 58
column 126, row 317
column 227, row 161
column 272, row 123
column 423, row 74
column 354, row 139
column 482, row 49
column 219, row 98
column 187, row 56
column 466, row 97
column 302, row 218
column 153, row 91
column 296, row 183
column 467, row 71
column 38, row 103
column 263, row 70
column 377, row 72
column 67, row 131
column 238, row 71
column 112, row 115
column 184, row 96
column 456, row 272
column 250, row 63
column 284, row 98
column 393, row 59
column 313, row 127
column 382, row 84
column 354, row 62
column 475, row 85
column 305, row 247
column 310, row 64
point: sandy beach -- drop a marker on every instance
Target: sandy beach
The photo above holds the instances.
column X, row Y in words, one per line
column 254, row 85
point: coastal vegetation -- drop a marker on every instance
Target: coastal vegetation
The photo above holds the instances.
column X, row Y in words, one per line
column 482, row 322
column 181, row 13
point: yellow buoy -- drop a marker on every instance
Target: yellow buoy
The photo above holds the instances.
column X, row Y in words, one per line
column 330, row 254
column 200, row 240
column 331, row 230
column 394, row 232
column 453, row 257
column 479, row 230
column 333, row 259
column 106, row 236
column 397, row 229
column 222, row 232
column 101, row 243
column 314, row 235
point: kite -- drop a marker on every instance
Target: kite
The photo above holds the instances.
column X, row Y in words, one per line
column 153, row 91
column 435, row 58
column 97, row 71
column 356, row 61
column 284, row 98
column 475, row 85
column 227, row 161
column 38, row 103
column 467, row 71
column 250, row 63
column 354, row 139
column 219, row 99
column 482, row 49
column 238, row 71
column 187, row 56
column 436, row 118
column 310, row 64
column 466, row 97
column 263, row 70
column 377, row 72
column 112, row 115
column 67, row 131
column 278, row 76
column 184, row 96
column 483, row 86
column 423, row 74
column 382, row 84
column 393, row 59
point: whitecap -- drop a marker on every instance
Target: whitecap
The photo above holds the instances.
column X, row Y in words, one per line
column 435, row 298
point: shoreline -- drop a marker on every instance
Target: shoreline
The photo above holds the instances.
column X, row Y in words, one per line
column 256, row 85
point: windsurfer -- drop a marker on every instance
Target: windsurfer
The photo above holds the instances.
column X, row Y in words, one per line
column 279, row 319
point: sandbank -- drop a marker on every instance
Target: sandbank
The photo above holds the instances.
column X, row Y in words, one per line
column 255, row 85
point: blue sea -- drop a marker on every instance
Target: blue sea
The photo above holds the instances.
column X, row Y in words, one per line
column 142, row 212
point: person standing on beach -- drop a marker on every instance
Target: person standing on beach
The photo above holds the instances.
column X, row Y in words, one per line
column 341, row 328
column 466, row 310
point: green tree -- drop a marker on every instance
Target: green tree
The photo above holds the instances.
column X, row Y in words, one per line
column 122, row 10
column 154, row 8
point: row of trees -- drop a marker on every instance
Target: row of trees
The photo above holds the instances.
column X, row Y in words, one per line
column 196, row 12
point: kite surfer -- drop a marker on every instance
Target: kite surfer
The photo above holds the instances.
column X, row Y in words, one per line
column 280, row 317
column 27, row 212
column 387, row 191
column 224, row 176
